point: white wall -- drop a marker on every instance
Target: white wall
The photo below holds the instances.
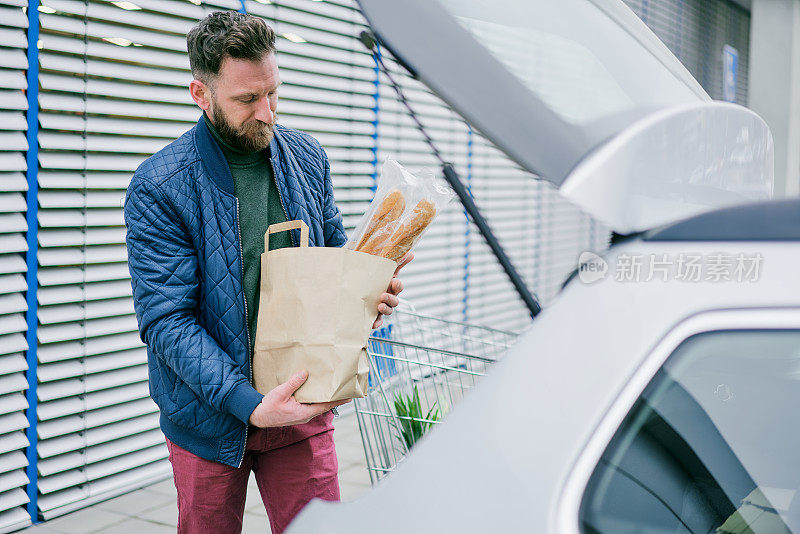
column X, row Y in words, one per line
column 775, row 84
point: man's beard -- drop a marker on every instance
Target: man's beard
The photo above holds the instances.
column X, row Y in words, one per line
column 249, row 137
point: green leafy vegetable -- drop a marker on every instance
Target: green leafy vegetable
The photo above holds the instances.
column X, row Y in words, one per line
column 409, row 411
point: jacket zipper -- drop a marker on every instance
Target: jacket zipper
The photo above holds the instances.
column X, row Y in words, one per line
column 278, row 188
column 241, row 261
column 291, row 236
column 246, row 326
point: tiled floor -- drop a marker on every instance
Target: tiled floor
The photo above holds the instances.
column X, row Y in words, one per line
column 153, row 510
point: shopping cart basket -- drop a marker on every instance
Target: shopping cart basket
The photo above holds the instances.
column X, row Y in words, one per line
column 420, row 367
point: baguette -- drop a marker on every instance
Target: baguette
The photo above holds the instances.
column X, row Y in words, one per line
column 388, row 211
column 407, row 234
column 379, row 238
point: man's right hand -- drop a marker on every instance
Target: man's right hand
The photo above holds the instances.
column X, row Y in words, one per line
column 280, row 408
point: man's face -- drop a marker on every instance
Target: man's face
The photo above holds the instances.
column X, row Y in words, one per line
column 244, row 100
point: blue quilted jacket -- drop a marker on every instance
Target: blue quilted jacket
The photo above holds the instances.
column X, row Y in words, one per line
column 185, row 260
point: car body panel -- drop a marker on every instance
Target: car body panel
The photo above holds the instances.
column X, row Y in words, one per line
column 673, row 164
column 503, row 459
column 567, row 514
column 625, row 123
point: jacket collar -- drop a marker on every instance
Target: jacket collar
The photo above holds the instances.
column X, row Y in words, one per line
column 213, row 159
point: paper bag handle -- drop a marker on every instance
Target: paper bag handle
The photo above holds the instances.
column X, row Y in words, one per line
column 284, row 226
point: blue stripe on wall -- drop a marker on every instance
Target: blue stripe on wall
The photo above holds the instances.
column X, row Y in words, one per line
column 242, row 9
column 31, row 255
column 375, row 108
column 679, row 38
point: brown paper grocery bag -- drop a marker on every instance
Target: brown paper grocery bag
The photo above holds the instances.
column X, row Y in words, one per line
column 316, row 312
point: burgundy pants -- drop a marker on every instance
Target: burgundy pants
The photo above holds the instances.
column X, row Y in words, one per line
column 292, row 465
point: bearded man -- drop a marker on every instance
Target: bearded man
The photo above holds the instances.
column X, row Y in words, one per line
column 196, row 213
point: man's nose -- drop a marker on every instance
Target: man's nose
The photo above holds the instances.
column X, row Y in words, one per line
column 264, row 112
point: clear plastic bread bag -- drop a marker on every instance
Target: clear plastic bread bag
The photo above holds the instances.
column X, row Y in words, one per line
column 404, row 206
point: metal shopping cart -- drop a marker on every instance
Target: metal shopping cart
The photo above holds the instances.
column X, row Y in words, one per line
column 420, row 367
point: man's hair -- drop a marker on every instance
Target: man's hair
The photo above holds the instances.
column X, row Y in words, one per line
column 226, row 33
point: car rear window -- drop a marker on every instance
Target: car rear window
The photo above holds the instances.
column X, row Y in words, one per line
column 568, row 53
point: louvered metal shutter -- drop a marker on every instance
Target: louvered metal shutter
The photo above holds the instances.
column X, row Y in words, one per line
column 113, row 91
column 542, row 233
column 695, row 31
column 13, row 245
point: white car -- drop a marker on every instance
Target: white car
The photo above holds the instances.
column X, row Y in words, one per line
column 660, row 392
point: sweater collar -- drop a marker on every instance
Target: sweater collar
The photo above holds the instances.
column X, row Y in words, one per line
column 213, row 159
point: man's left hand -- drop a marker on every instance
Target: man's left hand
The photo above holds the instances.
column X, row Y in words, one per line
column 389, row 300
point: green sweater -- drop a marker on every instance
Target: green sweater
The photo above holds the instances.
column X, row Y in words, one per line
column 259, row 206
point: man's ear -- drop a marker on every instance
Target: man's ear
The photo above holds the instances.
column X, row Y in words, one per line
column 201, row 94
